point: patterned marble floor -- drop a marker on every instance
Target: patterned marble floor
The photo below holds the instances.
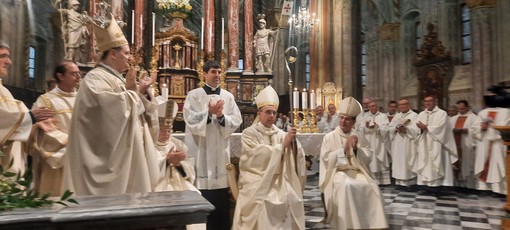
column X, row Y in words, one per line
column 422, row 207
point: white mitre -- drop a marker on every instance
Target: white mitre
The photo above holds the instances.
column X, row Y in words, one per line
column 349, row 107
column 267, row 96
column 167, row 111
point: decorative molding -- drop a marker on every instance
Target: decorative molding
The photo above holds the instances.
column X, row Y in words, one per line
column 431, row 47
column 389, row 32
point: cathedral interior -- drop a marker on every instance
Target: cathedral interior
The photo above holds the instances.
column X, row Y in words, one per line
column 382, row 49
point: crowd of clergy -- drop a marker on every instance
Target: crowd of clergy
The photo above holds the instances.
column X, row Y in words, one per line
column 114, row 136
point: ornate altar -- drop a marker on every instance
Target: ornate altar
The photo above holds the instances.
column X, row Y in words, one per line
column 175, row 57
column 329, row 95
column 434, row 68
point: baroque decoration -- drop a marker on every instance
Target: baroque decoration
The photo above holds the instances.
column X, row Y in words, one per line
column 174, row 8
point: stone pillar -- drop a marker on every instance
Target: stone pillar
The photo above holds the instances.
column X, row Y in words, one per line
column 248, row 37
column 482, row 44
column 233, row 34
column 313, row 50
column 346, row 47
column 503, row 33
column 209, row 29
column 450, row 29
column 388, row 35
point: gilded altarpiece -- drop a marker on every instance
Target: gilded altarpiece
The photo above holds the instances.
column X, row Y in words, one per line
column 434, row 68
column 175, row 57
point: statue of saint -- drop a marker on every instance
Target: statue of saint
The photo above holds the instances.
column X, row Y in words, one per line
column 263, row 46
column 75, row 29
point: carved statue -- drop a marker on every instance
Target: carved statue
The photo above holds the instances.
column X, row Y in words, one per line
column 74, row 29
column 263, row 46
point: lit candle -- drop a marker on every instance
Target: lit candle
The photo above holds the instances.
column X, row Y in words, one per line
column 202, row 35
column 164, row 92
column 295, row 99
column 313, row 100
column 222, row 33
column 153, row 28
column 132, row 26
column 304, row 99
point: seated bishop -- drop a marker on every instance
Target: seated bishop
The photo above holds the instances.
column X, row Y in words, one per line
column 351, row 196
column 272, row 173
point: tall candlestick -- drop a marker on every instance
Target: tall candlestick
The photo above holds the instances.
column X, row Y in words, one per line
column 132, row 27
column 222, row 33
column 313, row 100
column 304, row 99
column 141, row 26
column 202, row 35
column 153, row 28
column 295, row 99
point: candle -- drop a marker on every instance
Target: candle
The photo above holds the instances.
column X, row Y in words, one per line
column 222, row 33
column 295, row 99
column 132, row 27
column 210, row 37
column 164, row 92
column 313, row 100
column 141, row 21
column 202, row 35
column 153, row 28
column 304, row 99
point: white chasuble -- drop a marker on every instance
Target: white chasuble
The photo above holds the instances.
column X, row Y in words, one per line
column 110, row 148
column 271, row 182
column 352, row 197
column 48, row 148
column 15, row 127
column 490, row 159
column 436, row 150
column 465, row 148
column 403, row 147
column 209, row 142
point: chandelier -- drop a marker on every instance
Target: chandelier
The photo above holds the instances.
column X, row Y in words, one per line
column 303, row 23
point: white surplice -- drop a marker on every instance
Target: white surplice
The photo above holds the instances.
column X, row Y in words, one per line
column 403, row 147
column 15, row 127
column 491, row 152
column 209, row 143
column 436, row 150
column 48, row 148
column 467, row 161
column 271, row 182
column 378, row 138
column 352, row 197
column 110, row 148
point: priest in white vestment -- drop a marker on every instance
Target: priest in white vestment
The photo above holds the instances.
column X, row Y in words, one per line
column 48, row 140
column 490, row 159
column 272, row 173
column 462, row 124
column 374, row 128
column 403, row 135
column 15, row 121
column 110, row 148
column 436, row 147
column 329, row 121
column 211, row 115
column 352, row 197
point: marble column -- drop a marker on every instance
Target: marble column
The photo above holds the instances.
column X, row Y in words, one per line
column 233, row 34
column 248, row 37
column 313, row 50
column 139, row 25
column 483, row 48
column 209, row 23
column 324, row 44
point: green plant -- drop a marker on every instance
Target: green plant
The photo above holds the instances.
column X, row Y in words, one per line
column 15, row 192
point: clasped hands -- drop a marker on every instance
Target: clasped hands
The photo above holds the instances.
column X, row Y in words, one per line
column 421, row 125
column 216, row 108
column 351, row 142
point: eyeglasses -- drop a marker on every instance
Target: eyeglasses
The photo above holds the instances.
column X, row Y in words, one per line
column 270, row 112
column 5, row 56
column 76, row 74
